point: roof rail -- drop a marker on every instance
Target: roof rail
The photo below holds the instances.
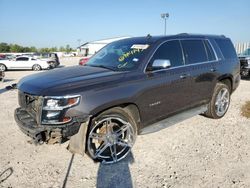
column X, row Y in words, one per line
column 182, row 34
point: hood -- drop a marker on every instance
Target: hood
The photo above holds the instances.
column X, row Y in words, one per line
column 69, row 80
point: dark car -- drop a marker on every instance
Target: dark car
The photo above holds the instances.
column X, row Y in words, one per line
column 245, row 63
column 130, row 87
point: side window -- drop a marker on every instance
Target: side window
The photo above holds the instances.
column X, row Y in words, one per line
column 226, row 48
column 210, row 52
column 22, row 59
column 194, row 51
column 170, row 50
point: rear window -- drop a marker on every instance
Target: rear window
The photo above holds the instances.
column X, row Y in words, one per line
column 226, row 48
column 194, row 51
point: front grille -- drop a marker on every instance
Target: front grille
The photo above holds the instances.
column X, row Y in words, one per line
column 29, row 102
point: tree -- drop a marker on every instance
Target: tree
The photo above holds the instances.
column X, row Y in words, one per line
column 53, row 49
column 4, row 47
column 16, row 48
column 62, row 49
column 33, row 49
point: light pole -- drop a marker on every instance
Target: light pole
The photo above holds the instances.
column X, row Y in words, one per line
column 165, row 16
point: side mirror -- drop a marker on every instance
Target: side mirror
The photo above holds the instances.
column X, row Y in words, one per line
column 161, row 64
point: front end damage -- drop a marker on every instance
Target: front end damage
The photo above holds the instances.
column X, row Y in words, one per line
column 28, row 117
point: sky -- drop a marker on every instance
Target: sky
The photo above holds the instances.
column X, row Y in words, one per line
column 49, row 23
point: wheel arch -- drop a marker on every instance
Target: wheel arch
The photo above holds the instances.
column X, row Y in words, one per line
column 130, row 108
column 228, row 80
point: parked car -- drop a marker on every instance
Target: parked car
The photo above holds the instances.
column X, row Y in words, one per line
column 2, row 75
column 245, row 63
column 24, row 62
column 70, row 54
column 132, row 86
column 52, row 58
column 84, row 60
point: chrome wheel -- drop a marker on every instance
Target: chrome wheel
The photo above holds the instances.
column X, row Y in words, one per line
column 36, row 67
column 222, row 102
column 111, row 139
column 2, row 67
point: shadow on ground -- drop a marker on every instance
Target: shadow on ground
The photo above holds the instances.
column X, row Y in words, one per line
column 8, row 80
column 110, row 175
column 115, row 175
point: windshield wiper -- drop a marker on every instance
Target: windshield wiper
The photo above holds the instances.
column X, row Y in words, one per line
column 101, row 66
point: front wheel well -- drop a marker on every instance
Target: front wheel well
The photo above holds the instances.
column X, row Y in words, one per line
column 130, row 108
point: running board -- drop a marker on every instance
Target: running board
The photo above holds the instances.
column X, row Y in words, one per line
column 173, row 120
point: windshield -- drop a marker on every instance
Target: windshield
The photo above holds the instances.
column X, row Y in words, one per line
column 119, row 56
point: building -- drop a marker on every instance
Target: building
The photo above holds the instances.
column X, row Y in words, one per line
column 241, row 47
column 90, row 48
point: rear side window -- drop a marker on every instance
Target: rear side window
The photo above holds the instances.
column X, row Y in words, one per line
column 210, row 52
column 226, row 48
column 194, row 51
column 22, row 59
column 170, row 50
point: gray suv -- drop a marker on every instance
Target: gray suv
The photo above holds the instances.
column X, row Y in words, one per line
column 132, row 86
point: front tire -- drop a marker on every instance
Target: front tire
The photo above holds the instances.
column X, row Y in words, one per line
column 111, row 136
column 220, row 102
column 36, row 67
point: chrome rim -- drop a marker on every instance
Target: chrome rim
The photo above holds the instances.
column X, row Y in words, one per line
column 222, row 102
column 36, row 67
column 2, row 68
column 111, row 140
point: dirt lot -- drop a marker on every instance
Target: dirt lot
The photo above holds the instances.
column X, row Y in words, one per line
column 198, row 152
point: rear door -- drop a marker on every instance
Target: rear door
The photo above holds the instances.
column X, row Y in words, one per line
column 201, row 61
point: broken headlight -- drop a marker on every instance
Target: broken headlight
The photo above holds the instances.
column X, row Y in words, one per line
column 54, row 109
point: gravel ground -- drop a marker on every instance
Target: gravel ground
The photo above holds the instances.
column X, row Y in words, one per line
column 198, row 152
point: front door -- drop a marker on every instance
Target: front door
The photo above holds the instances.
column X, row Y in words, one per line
column 167, row 90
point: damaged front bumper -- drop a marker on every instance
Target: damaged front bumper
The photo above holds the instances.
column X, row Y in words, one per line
column 47, row 133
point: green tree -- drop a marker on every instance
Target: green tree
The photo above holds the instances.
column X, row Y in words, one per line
column 53, row 49
column 68, row 49
column 44, row 50
column 16, row 48
column 33, row 49
column 4, row 47
column 62, row 49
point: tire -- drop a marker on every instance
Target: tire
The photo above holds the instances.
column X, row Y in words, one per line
column 3, row 67
column 111, row 136
column 245, row 73
column 36, row 67
column 219, row 105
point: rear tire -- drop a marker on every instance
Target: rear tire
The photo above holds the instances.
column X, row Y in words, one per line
column 36, row 67
column 111, row 136
column 220, row 102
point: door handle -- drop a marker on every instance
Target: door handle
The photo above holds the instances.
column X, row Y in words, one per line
column 183, row 76
column 213, row 70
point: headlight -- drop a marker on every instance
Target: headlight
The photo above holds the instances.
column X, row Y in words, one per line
column 54, row 109
column 59, row 103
